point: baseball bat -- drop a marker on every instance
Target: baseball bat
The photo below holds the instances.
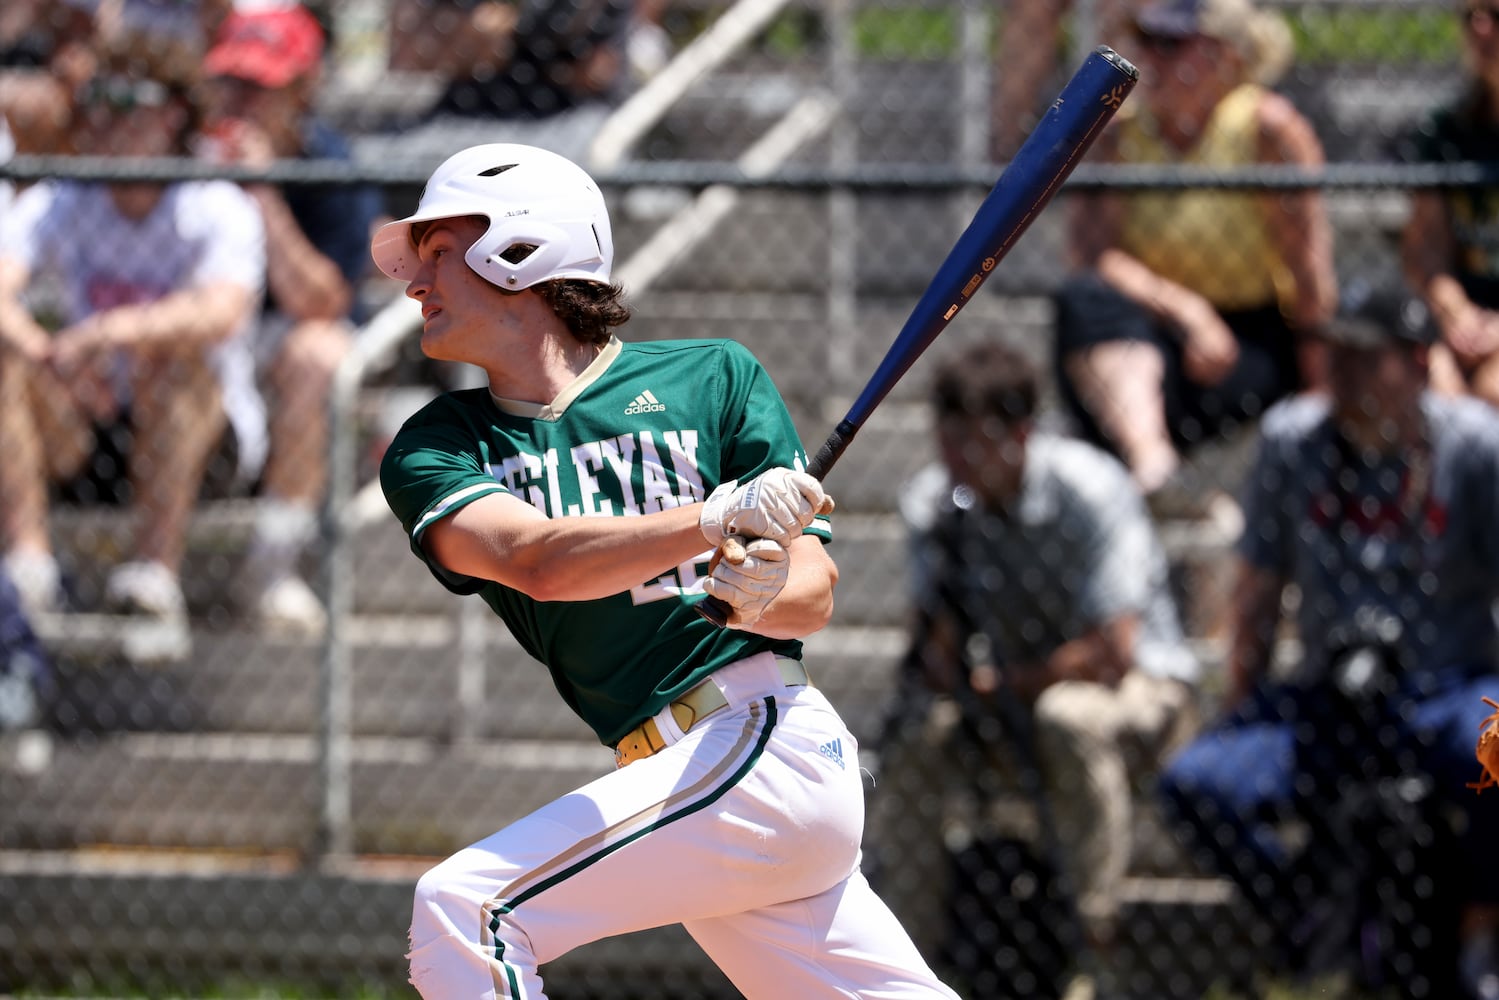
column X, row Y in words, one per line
column 1025, row 187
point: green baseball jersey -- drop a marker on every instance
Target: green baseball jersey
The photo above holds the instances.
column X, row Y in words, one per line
column 647, row 427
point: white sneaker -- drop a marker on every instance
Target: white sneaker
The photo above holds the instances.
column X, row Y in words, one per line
column 289, row 605
column 145, row 588
column 37, row 579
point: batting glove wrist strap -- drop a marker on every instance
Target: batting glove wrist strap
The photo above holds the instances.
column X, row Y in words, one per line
column 716, row 511
column 776, row 504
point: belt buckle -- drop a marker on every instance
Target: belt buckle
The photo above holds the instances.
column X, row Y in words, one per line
column 639, row 743
column 695, row 704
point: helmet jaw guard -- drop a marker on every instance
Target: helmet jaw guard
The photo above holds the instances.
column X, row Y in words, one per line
column 547, row 218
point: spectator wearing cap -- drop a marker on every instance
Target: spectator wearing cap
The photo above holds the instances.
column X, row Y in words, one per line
column 1183, row 320
column 264, row 71
column 137, row 354
column 1375, row 500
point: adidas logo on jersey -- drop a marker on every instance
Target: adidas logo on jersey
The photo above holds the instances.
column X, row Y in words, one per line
column 833, row 751
column 645, row 403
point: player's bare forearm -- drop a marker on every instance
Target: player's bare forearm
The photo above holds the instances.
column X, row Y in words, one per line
column 502, row 538
column 805, row 604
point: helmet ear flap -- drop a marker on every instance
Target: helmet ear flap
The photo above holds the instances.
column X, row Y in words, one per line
column 515, row 257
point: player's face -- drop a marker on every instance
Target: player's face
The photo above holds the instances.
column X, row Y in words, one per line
column 464, row 317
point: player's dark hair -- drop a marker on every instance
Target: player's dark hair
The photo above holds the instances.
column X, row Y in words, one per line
column 591, row 310
column 986, row 380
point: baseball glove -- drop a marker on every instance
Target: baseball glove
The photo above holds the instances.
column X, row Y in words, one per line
column 1487, row 750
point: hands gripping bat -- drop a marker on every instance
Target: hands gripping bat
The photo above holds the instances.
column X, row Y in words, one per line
column 1025, row 187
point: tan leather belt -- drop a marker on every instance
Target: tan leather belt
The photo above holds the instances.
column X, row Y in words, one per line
column 695, row 705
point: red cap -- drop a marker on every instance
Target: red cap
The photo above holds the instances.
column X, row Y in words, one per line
column 271, row 47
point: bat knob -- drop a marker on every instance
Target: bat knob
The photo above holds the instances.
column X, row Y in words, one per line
column 714, row 611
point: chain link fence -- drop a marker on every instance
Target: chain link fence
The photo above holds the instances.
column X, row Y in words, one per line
column 216, row 804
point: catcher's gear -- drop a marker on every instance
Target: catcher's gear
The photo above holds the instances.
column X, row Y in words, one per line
column 747, row 577
column 547, row 218
column 776, row 504
column 1487, row 749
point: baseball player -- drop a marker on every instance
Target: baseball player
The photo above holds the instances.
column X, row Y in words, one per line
column 581, row 494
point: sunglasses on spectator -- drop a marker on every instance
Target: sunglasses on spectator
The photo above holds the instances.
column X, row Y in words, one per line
column 1165, row 46
column 123, row 94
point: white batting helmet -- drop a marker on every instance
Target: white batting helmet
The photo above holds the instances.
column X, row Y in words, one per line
column 547, row 217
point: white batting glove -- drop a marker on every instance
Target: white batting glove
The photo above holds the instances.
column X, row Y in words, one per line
column 776, row 504
column 747, row 579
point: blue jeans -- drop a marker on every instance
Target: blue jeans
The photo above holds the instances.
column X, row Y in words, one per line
column 1278, row 757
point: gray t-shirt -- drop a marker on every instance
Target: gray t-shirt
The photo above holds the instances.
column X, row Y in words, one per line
column 1076, row 549
column 1376, row 541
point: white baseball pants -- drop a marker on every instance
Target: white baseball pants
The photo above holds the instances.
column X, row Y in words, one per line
column 746, row 830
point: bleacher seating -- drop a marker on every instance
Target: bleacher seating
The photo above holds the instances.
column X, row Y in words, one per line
column 184, row 790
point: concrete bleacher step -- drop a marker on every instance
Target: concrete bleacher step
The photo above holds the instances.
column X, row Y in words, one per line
column 273, row 919
column 259, row 793
column 410, row 678
column 810, row 360
column 270, row 915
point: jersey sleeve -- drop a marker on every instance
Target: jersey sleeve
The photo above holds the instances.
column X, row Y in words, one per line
column 430, row 471
column 227, row 224
column 21, row 225
column 757, row 429
column 1121, row 544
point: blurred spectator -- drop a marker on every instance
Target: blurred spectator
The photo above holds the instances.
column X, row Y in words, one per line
column 50, row 48
column 1375, row 502
column 7, row 150
column 151, row 291
column 648, row 45
column 1030, row 45
column 1451, row 241
column 264, row 73
column 47, row 50
column 1185, row 319
column 1043, row 605
column 549, row 69
column 160, row 39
